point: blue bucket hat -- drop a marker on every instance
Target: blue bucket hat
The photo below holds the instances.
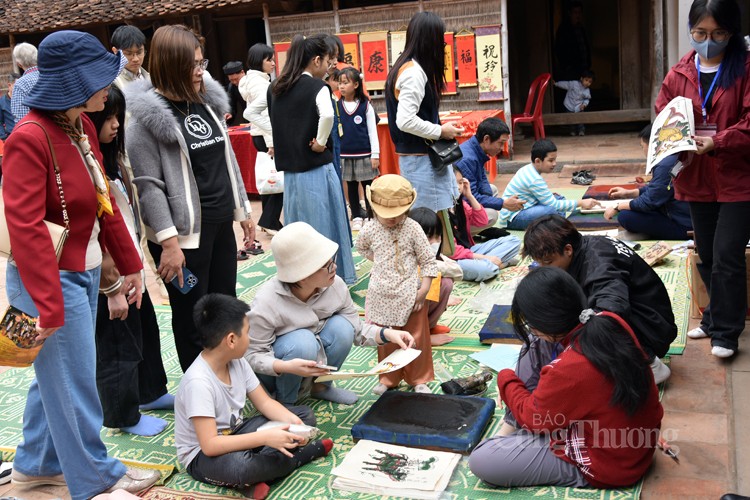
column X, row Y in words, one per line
column 73, row 66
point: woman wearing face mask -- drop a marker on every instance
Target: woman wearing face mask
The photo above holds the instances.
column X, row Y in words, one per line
column 716, row 182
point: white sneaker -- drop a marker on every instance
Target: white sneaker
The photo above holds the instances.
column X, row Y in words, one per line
column 697, row 333
column 722, row 352
column 136, row 480
column 356, row 224
column 661, row 371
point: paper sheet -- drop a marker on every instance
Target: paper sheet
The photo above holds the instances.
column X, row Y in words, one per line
column 672, row 131
column 499, row 356
column 397, row 360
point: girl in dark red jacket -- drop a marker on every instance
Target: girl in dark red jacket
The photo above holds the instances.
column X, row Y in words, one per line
column 594, row 417
column 716, row 182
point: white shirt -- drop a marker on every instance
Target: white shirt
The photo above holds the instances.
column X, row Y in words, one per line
column 410, row 87
column 325, row 113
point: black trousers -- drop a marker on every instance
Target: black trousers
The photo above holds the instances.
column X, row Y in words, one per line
column 722, row 231
column 244, row 468
column 129, row 369
column 352, row 188
column 214, row 263
column 271, row 204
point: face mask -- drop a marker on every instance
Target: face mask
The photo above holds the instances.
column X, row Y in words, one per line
column 708, row 48
column 435, row 247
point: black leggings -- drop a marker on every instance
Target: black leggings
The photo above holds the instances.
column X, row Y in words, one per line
column 353, row 189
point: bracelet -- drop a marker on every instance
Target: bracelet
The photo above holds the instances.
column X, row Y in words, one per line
column 115, row 287
column 382, row 335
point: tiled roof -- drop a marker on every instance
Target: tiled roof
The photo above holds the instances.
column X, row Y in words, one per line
column 24, row 16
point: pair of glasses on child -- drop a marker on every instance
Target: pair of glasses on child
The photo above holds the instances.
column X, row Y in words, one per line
column 329, row 265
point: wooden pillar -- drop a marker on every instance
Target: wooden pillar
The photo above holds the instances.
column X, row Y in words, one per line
column 506, row 72
column 336, row 21
column 266, row 23
column 656, row 55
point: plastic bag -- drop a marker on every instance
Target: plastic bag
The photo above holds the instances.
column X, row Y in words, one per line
column 267, row 179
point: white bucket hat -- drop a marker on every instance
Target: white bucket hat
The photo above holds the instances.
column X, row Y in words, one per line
column 300, row 251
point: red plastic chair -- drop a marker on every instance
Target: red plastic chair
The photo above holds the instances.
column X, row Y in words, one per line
column 535, row 100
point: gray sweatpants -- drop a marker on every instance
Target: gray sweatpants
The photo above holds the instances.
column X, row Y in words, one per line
column 530, row 363
column 522, row 459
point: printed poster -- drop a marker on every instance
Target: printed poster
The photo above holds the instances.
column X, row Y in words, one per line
column 374, row 58
column 280, row 49
column 489, row 63
column 398, row 41
column 450, row 70
column 466, row 57
column 351, row 48
column 672, row 131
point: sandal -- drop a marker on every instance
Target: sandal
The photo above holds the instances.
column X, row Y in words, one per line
column 255, row 248
column 242, row 255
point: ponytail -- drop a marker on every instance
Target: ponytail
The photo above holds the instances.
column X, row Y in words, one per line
column 614, row 352
column 301, row 52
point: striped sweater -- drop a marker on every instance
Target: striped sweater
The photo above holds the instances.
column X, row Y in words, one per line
column 529, row 185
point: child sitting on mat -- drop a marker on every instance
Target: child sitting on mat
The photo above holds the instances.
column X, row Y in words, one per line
column 529, row 185
column 402, row 271
column 594, row 415
column 215, row 443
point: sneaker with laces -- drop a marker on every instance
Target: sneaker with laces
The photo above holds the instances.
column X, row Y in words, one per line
column 722, row 352
column 135, row 480
column 581, row 179
column 21, row 479
column 697, row 333
column 356, row 224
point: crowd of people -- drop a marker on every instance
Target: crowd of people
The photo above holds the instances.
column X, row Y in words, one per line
column 138, row 166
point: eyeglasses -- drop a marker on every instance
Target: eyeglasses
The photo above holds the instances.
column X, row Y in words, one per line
column 130, row 54
column 329, row 266
column 716, row 35
column 202, row 64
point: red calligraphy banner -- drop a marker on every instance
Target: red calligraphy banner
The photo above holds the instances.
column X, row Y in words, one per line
column 466, row 56
column 374, row 58
column 351, row 48
column 450, row 70
column 280, row 49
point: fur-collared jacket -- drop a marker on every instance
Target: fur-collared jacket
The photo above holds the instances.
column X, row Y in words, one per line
column 168, row 193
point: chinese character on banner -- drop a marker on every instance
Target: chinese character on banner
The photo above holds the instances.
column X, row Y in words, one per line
column 450, row 70
column 351, row 48
column 398, row 40
column 466, row 57
column 489, row 63
column 374, row 58
column 281, row 48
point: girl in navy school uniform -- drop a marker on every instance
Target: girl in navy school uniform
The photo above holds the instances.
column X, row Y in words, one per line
column 360, row 150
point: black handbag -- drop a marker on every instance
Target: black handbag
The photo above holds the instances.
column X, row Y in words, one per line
column 443, row 153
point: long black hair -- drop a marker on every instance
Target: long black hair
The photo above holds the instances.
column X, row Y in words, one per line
column 114, row 106
column 430, row 223
column 726, row 13
column 550, row 301
column 425, row 42
column 257, row 55
column 301, row 52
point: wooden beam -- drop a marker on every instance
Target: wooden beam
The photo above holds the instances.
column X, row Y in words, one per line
column 613, row 116
column 656, row 56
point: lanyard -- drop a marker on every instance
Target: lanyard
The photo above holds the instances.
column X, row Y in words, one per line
column 700, row 88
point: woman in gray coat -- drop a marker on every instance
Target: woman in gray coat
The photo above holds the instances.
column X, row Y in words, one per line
column 189, row 183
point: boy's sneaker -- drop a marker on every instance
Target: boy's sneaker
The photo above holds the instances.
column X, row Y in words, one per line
column 356, row 224
column 697, row 333
column 581, row 179
column 722, row 352
column 23, row 480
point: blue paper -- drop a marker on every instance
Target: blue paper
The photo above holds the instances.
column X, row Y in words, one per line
column 499, row 357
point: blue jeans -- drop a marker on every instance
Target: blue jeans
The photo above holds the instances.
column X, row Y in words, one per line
column 528, row 215
column 337, row 337
column 316, row 196
column 655, row 224
column 504, row 248
column 435, row 190
column 63, row 415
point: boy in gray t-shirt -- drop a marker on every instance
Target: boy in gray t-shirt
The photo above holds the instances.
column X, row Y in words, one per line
column 214, row 442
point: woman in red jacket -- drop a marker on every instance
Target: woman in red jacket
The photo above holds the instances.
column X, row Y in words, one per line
column 594, row 417
column 53, row 172
column 716, row 182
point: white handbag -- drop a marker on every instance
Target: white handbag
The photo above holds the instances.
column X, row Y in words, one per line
column 58, row 233
column 267, row 179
